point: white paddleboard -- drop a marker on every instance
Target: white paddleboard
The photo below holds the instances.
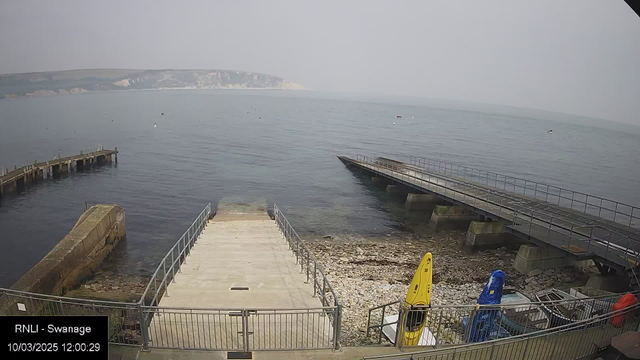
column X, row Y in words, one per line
column 389, row 331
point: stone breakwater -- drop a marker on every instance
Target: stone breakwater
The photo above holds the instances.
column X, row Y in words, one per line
column 368, row 272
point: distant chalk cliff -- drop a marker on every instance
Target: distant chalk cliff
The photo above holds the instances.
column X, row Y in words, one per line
column 80, row 81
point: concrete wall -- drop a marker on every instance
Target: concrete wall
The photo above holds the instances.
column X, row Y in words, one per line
column 78, row 254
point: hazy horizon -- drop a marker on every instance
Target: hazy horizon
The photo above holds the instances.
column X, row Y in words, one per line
column 574, row 57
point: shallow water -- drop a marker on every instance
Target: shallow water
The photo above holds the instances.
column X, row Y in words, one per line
column 280, row 146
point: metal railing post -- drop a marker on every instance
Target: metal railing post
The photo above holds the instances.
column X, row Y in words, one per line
column 493, row 348
column 173, row 268
column 184, row 249
column 324, row 291
column 572, row 196
column 570, row 235
column 606, row 253
column 526, row 347
column 586, row 201
column 164, row 280
column 399, row 328
column 546, row 198
column 245, row 330
column 384, row 308
column 308, row 267
column 179, row 255
column 143, row 327
column 315, row 278
column 553, row 350
column 337, row 327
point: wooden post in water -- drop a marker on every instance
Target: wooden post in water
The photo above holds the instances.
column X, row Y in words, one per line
column 116, row 154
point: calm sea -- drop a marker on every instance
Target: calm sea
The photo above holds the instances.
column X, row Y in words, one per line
column 280, row 146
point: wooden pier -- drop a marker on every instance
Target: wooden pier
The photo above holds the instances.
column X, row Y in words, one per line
column 19, row 178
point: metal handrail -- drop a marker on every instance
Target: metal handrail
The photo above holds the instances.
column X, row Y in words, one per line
column 443, row 320
column 489, row 191
column 381, row 324
column 539, row 187
column 298, row 246
column 129, row 315
column 143, row 315
column 583, row 324
column 307, row 260
column 516, row 304
column 237, row 309
column 183, row 247
column 561, row 223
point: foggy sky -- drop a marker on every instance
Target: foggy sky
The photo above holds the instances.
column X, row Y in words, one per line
column 575, row 56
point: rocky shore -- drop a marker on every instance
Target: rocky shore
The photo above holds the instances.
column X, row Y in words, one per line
column 111, row 285
column 368, row 272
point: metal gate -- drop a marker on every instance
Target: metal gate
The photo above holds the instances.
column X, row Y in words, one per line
column 240, row 329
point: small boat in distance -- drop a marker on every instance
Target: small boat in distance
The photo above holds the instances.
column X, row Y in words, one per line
column 550, row 131
column 399, row 116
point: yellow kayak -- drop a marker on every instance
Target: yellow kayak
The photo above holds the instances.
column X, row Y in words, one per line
column 418, row 295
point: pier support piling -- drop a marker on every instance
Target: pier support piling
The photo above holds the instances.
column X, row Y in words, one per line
column 398, row 190
column 451, row 218
column 489, row 235
column 531, row 257
column 420, row 202
column 380, row 181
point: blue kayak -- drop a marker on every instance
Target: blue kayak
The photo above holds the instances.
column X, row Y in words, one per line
column 484, row 324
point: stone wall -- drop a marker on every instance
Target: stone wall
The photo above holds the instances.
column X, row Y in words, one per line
column 78, row 254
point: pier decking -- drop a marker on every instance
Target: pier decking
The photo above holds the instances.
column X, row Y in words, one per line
column 20, row 177
column 611, row 240
column 241, row 288
column 241, row 251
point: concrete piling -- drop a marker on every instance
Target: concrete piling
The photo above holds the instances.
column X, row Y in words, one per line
column 531, row 257
column 380, row 181
column 489, row 235
column 451, row 218
column 420, row 202
column 398, row 189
